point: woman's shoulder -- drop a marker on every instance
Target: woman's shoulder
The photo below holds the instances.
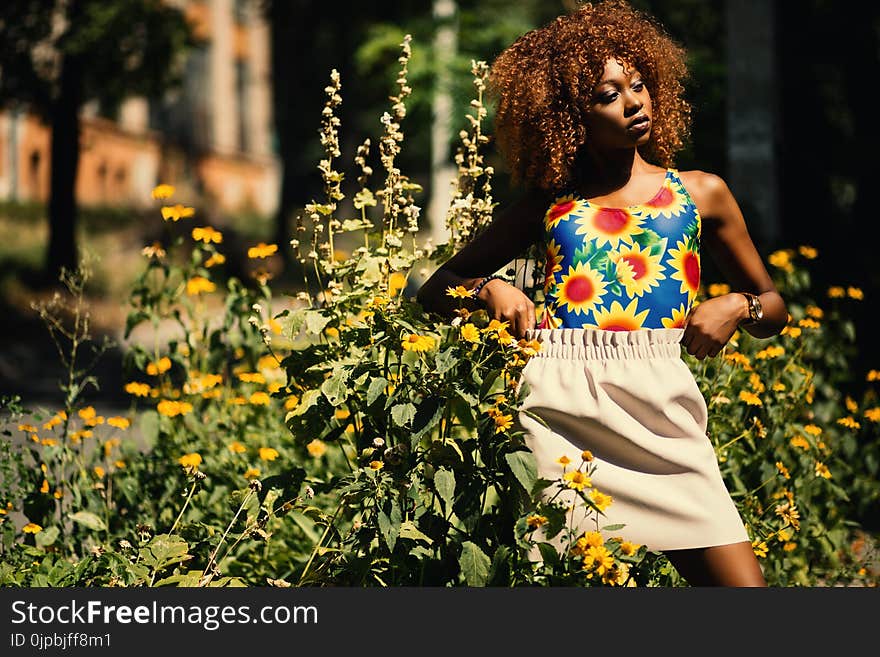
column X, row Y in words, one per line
column 707, row 189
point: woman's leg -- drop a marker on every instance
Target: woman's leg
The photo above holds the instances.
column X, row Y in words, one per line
column 721, row 565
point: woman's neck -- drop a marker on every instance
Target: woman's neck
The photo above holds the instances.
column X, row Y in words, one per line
column 600, row 172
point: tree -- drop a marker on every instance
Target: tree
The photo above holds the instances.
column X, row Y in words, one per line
column 56, row 55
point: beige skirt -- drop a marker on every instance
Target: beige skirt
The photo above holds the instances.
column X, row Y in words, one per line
column 630, row 399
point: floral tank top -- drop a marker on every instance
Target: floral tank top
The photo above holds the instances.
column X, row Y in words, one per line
column 621, row 269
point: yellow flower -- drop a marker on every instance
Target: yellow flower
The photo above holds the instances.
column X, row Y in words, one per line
column 750, row 398
column 376, row 465
column 137, row 389
column 849, row 422
column 32, row 528
column 470, row 333
column 119, row 422
column 396, row 282
column 599, row 559
column 99, row 471
column 873, row 375
column 601, row 500
column 236, row 447
column 415, row 342
column 577, row 479
column 808, row 322
column 813, row 430
column 252, row 473
column 587, row 455
column 535, row 521
column 756, row 383
column 851, row 404
column 822, row 470
column 268, row 453
column 28, row 428
column 162, row 191
column 760, row 548
column 789, row 514
column 496, row 326
column 171, row 408
column 788, row 547
column 815, row 312
column 873, row 414
column 199, row 284
column 176, row 212
column 855, row 293
column 291, row 402
column 737, row 358
column 790, row 331
column 783, row 470
column 503, row 422
column 717, row 289
column 781, row 259
column 836, row 291
column 215, row 259
column 808, row 252
column 317, row 447
column 207, row 235
column 159, row 367
column 191, row 460
column 459, row 292
column 260, row 399
column 563, row 460
column 628, row 548
column 779, row 387
column 45, row 487
column 770, row 352
column 262, row 250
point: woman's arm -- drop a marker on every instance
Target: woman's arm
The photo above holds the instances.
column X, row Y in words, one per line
column 510, row 234
column 725, row 236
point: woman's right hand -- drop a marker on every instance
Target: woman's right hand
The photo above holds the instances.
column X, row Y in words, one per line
column 507, row 303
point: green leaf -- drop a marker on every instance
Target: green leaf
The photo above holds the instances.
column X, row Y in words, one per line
column 377, row 388
column 444, row 482
column 47, row 536
column 88, row 519
column 316, row 321
column 613, row 528
column 402, row 414
column 474, row 564
column 309, row 399
column 335, row 388
column 445, row 360
column 164, row 550
column 427, row 417
column 389, row 525
column 524, row 467
column 148, row 425
column 410, row 531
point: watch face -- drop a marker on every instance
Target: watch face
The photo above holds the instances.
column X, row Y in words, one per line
column 757, row 310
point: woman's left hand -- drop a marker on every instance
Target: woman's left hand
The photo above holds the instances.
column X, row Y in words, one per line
column 709, row 325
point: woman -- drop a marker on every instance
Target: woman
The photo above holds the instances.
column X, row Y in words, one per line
column 590, row 115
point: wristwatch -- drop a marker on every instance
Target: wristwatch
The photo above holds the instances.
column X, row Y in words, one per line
column 756, row 312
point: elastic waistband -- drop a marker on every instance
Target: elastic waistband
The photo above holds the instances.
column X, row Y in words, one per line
column 599, row 344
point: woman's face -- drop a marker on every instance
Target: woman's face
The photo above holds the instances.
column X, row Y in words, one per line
column 619, row 109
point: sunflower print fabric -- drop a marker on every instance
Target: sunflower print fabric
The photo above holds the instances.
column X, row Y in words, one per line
column 621, row 269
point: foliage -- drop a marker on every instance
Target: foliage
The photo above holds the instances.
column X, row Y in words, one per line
column 341, row 436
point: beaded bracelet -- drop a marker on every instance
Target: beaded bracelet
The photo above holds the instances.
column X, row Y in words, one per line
column 479, row 286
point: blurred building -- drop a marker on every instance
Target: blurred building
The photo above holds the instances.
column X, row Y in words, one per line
column 212, row 137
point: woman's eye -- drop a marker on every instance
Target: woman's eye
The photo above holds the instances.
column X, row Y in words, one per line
column 607, row 98
column 638, row 86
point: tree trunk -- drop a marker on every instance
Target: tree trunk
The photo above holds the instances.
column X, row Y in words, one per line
column 64, row 117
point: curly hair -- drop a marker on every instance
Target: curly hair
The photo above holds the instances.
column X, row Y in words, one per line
column 544, row 79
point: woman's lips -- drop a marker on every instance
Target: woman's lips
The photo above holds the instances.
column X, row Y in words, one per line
column 640, row 125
